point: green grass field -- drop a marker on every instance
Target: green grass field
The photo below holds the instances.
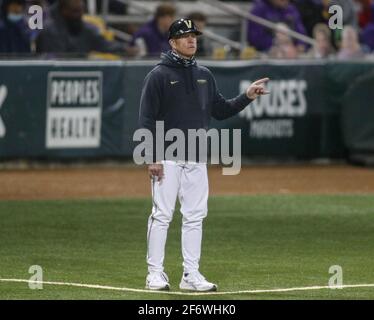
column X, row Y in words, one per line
column 250, row 242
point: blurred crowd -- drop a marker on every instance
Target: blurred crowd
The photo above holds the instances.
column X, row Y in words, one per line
column 69, row 31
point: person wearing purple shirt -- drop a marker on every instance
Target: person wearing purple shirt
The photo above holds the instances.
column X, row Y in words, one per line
column 367, row 35
column 277, row 11
column 152, row 38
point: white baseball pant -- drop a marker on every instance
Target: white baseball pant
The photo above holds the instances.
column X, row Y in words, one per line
column 188, row 181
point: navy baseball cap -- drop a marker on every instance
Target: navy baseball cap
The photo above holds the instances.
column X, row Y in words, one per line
column 183, row 26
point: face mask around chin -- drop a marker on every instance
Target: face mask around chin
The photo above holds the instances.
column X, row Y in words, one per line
column 14, row 17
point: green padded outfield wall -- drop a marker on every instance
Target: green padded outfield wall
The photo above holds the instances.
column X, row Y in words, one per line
column 89, row 109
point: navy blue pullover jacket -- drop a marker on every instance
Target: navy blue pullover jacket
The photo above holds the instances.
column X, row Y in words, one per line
column 184, row 97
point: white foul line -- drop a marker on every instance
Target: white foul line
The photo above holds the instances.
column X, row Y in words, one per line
column 95, row 286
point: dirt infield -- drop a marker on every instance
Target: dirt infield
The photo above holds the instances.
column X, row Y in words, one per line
column 119, row 182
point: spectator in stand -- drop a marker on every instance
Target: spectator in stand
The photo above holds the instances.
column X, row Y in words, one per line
column 283, row 46
column 14, row 31
column 66, row 32
column 152, row 38
column 350, row 47
column 278, row 11
column 43, row 3
column 323, row 47
column 204, row 47
column 114, row 7
column 365, row 14
column 368, row 32
column 311, row 13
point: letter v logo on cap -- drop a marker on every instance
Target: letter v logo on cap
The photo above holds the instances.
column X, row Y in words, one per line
column 3, row 95
column 188, row 23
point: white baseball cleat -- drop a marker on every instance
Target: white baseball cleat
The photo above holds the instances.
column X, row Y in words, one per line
column 157, row 281
column 195, row 281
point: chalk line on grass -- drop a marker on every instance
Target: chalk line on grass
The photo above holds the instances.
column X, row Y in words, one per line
column 95, row 286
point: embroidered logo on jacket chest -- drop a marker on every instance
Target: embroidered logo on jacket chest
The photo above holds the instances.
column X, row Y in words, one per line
column 202, row 81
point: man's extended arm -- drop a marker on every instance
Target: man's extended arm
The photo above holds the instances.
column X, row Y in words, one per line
column 223, row 109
